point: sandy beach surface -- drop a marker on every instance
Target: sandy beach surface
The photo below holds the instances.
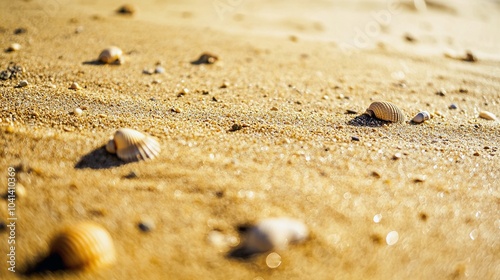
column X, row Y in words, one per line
column 294, row 78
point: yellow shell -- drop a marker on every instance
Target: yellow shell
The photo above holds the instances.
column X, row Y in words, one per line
column 385, row 111
column 85, row 246
column 110, row 55
column 132, row 145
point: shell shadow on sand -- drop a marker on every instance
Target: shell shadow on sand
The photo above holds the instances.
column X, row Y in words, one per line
column 99, row 159
column 99, row 63
column 244, row 251
column 45, row 265
column 93, row 62
column 366, row 120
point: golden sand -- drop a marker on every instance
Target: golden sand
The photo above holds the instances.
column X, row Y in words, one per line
column 263, row 132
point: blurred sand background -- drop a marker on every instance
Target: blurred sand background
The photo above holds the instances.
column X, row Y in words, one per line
column 288, row 71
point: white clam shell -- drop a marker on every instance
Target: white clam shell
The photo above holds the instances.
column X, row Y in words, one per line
column 85, row 246
column 132, row 145
column 421, row 117
column 274, row 233
column 385, row 111
column 111, row 55
column 487, row 115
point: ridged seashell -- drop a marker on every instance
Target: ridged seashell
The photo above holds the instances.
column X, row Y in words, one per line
column 111, row 55
column 84, row 246
column 487, row 115
column 385, row 111
column 421, row 117
column 132, row 145
column 273, row 233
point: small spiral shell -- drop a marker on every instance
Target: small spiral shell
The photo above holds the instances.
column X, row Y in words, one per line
column 421, row 117
column 132, row 145
column 385, row 111
column 86, row 246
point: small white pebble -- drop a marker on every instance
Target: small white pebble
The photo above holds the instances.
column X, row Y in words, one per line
column 216, row 238
column 14, row 47
column 377, row 218
column 23, row 83
column 78, row 112
column 392, row 238
column 75, row 86
column 159, row 70
column 398, row 75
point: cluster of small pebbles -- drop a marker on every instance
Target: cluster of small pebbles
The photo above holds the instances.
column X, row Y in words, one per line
column 13, row 71
column 157, row 70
